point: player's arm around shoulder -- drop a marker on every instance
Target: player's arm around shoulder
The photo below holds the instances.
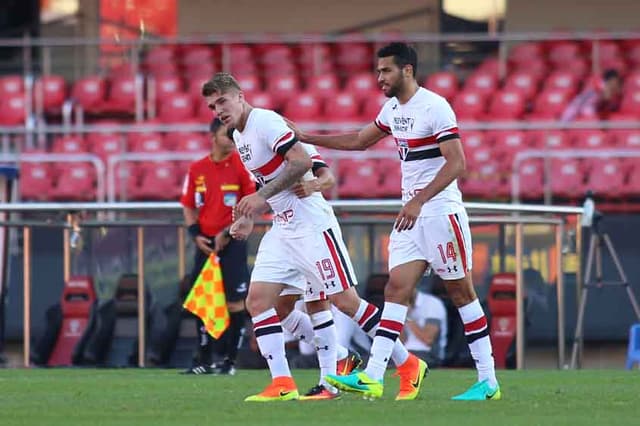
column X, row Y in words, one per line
column 356, row 141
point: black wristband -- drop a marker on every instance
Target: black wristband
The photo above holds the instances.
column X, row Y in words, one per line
column 194, row 230
column 226, row 233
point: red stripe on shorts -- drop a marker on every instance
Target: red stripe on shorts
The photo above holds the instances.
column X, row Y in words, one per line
column 460, row 240
column 336, row 261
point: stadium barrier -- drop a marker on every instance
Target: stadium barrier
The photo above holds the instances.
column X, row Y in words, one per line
column 517, row 215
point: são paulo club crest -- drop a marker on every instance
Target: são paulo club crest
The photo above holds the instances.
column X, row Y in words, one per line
column 403, row 148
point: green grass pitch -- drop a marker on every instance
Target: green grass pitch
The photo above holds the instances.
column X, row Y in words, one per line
column 163, row 397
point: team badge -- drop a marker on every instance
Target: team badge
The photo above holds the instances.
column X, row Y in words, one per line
column 403, row 148
column 230, row 199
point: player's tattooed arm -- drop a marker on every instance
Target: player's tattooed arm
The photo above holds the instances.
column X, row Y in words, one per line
column 298, row 163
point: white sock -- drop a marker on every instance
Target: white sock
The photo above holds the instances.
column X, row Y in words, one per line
column 299, row 324
column 391, row 323
column 367, row 317
column 270, row 338
column 476, row 331
column 325, row 338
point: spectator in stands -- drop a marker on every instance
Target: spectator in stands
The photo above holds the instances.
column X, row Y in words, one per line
column 211, row 189
column 600, row 98
column 425, row 331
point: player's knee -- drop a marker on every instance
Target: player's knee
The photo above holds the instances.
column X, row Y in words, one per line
column 346, row 302
column 461, row 291
column 256, row 304
column 285, row 305
column 398, row 292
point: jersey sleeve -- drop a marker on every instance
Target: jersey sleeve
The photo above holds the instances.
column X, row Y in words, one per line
column 445, row 126
column 187, row 198
column 276, row 133
column 316, row 159
column 382, row 121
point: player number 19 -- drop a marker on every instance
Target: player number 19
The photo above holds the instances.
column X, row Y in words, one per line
column 326, row 269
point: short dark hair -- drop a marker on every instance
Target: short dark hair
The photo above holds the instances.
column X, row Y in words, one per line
column 220, row 83
column 402, row 53
column 215, row 125
column 610, row 73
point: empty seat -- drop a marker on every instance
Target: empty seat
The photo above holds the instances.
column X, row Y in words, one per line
column 90, row 93
column 12, row 109
column 352, row 175
column 391, row 184
column 531, row 178
column 372, row 104
column 506, row 105
column 176, row 108
column 508, row 143
column 524, row 82
column 606, row 177
column 469, row 105
column 524, row 53
column 303, row 107
column 72, row 144
column 443, row 83
column 502, row 306
column 76, row 181
column 36, row 181
column 165, row 86
column 105, row 145
column 626, row 138
column 323, row 86
column 189, row 142
column 567, row 179
column 50, row 93
column 282, row 88
column 122, row 95
column 158, row 182
column 562, row 80
column 553, row 139
column 11, row 85
column 342, row 107
column 249, row 83
column 564, row 52
column 361, row 85
column 550, row 104
column 146, row 142
column 631, row 102
column 589, row 138
column 484, row 180
column 354, row 57
column 482, row 82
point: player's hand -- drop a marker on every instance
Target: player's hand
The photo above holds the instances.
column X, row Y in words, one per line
column 300, row 135
column 250, row 205
column 304, row 188
column 241, row 229
column 203, row 243
column 408, row 215
column 221, row 241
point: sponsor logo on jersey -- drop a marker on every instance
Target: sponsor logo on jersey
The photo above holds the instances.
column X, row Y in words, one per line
column 403, row 124
column 283, row 217
column 245, row 153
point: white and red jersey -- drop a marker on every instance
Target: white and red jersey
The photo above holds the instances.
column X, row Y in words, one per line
column 418, row 126
column 262, row 146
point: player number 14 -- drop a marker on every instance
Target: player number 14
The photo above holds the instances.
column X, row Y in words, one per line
column 450, row 252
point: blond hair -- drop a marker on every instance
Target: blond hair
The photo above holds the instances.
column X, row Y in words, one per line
column 220, row 83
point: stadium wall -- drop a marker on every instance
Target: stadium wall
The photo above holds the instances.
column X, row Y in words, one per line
column 578, row 15
column 298, row 16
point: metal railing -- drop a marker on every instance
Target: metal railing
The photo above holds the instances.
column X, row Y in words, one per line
column 518, row 215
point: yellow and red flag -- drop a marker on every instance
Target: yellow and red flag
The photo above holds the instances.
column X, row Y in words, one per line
column 206, row 298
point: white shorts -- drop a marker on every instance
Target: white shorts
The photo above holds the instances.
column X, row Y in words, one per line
column 315, row 265
column 443, row 241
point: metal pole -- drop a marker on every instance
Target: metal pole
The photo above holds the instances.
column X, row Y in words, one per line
column 577, row 358
column 26, row 327
column 181, row 256
column 519, row 299
column 560, row 296
column 141, row 304
column 66, row 248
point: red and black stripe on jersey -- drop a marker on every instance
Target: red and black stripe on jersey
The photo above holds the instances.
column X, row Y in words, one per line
column 284, row 143
column 425, row 148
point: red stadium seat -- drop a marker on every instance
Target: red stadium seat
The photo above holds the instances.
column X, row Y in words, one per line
column 626, row 138
column 243, row 68
column 506, row 105
column 194, row 85
column 50, row 93
column 70, row 145
column 282, row 88
column 483, row 180
column 303, row 107
column 469, row 105
column 315, row 59
column 567, row 179
column 362, row 85
column 490, row 65
column 633, row 54
column 553, row 139
column 165, row 86
column 508, row 143
column 158, row 182
column 12, row 110
column 632, row 81
column 249, row 83
column 276, row 69
column 391, row 185
column 90, row 93
column 562, row 80
column 482, row 82
column 372, row 105
column 522, row 81
column 159, row 55
column 354, row 57
column 443, row 83
column 127, row 180
column 11, row 85
column 473, row 139
column 531, row 174
column 176, row 108
column 352, row 175
column 606, row 177
column 631, row 102
column 197, row 55
column 146, row 142
column 76, row 181
column 564, row 52
column 122, row 95
column 189, row 142
column 106, row 145
column 323, row 86
column 261, row 100
column 342, row 107
column 36, row 181
column 590, row 139
column 609, row 49
column 550, row 104
column 524, row 53
column 538, row 68
column 632, row 187
column 275, row 54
